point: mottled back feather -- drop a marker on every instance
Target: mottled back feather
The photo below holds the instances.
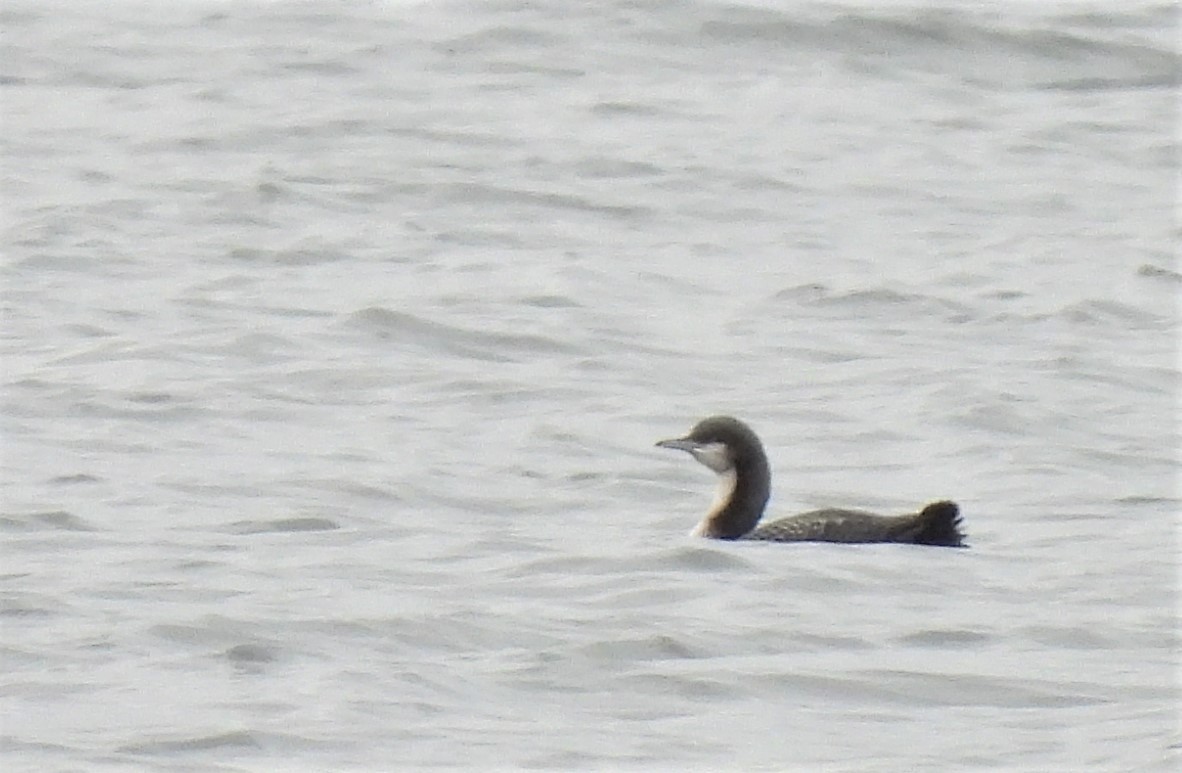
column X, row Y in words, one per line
column 936, row 524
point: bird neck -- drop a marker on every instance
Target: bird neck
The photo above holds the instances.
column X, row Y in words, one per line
column 739, row 501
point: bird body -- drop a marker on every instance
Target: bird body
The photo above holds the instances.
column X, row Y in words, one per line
column 734, row 452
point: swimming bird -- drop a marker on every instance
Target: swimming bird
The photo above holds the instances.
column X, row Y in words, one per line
column 732, row 450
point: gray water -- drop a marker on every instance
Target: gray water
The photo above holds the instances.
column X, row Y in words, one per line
column 337, row 336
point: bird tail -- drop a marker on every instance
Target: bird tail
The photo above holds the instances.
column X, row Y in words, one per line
column 940, row 525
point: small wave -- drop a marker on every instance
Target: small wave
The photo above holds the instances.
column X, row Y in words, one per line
column 19, row 611
column 688, row 686
column 500, row 37
column 1141, row 499
column 151, row 398
column 1097, row 312
column 566, row 565
column 1092, row 313
column 283, row 525
column 656, row 647
column 945, row 638
column 252, row 654
column 696, row 559
column 323, row 67
column 470, row 234
column 986, row 690
column 873, row 300
column 1048, row 52
column 495, row 347
column 362, row 490
column 873, row 687
column 606, row 168
column 73, row 480
column 232, row 740
column 303, row 255
column 1069, row 637
column 998, row 418
column 481, row 194
column 830, row 643
column 161, row 407
column 56, row 520
column 551, row 302
column 612, row 108
column 1157, row 272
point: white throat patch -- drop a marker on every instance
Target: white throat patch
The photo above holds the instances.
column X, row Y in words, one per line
column 715, row 456
column 722, row 495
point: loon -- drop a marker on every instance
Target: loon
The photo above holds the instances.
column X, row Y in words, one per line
column 732, row 450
